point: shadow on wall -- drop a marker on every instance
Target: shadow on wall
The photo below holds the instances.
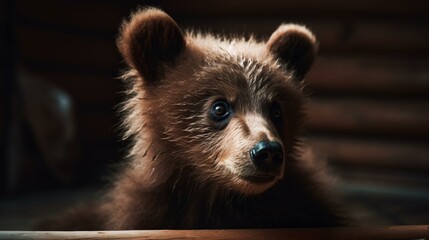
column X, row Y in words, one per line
column 43, row 147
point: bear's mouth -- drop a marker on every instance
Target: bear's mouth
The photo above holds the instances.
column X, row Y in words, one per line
column 258, row 179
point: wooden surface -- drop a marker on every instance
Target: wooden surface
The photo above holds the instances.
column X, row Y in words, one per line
column 394, row 232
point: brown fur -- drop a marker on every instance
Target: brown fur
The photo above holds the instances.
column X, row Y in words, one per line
column 184, row 170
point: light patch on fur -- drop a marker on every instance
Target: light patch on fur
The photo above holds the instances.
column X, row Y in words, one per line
column 295, row 29
column 235, row 147
column 219, row 45
column 259, row 128
column 251, row 188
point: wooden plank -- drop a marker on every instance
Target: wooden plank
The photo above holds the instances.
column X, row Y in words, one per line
column 377, row 154
column 357, row 36
column 105, row 15
column 375, row 204
column 240, row 8
column 67, row 48
column 392, row 118
column 364, row 36
column 95, row 16
column 392, row 232
column 383, row 179
column 85, row 89
column 378, row 76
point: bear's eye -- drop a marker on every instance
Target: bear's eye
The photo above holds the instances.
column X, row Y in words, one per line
column 275, row 112
column 220, row 110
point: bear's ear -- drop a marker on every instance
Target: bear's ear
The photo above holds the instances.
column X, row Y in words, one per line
column 150, row 41
column 295, row 46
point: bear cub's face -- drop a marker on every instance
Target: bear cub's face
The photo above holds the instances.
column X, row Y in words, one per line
column 230, row 110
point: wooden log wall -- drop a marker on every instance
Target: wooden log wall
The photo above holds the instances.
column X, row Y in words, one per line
column 369, row 87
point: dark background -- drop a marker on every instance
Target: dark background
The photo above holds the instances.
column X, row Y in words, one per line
column 368, row 114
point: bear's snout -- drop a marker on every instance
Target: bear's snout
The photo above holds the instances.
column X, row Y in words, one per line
column 267, row 156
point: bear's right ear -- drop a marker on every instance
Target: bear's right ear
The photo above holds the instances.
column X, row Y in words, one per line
column 295, row 46
column 150, row 41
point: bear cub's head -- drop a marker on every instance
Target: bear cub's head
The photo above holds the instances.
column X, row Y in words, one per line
column 226, row 112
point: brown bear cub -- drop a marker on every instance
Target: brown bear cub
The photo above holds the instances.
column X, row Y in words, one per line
column 215, row 125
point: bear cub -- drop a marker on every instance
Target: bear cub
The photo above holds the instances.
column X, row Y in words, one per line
column 215, row 126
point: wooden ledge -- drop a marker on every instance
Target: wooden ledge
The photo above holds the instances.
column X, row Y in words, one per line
column 391, row 232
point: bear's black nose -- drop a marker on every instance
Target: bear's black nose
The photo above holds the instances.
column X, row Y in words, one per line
column 267, row 156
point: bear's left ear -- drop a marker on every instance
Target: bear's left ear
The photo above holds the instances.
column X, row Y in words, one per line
column 295, row 46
